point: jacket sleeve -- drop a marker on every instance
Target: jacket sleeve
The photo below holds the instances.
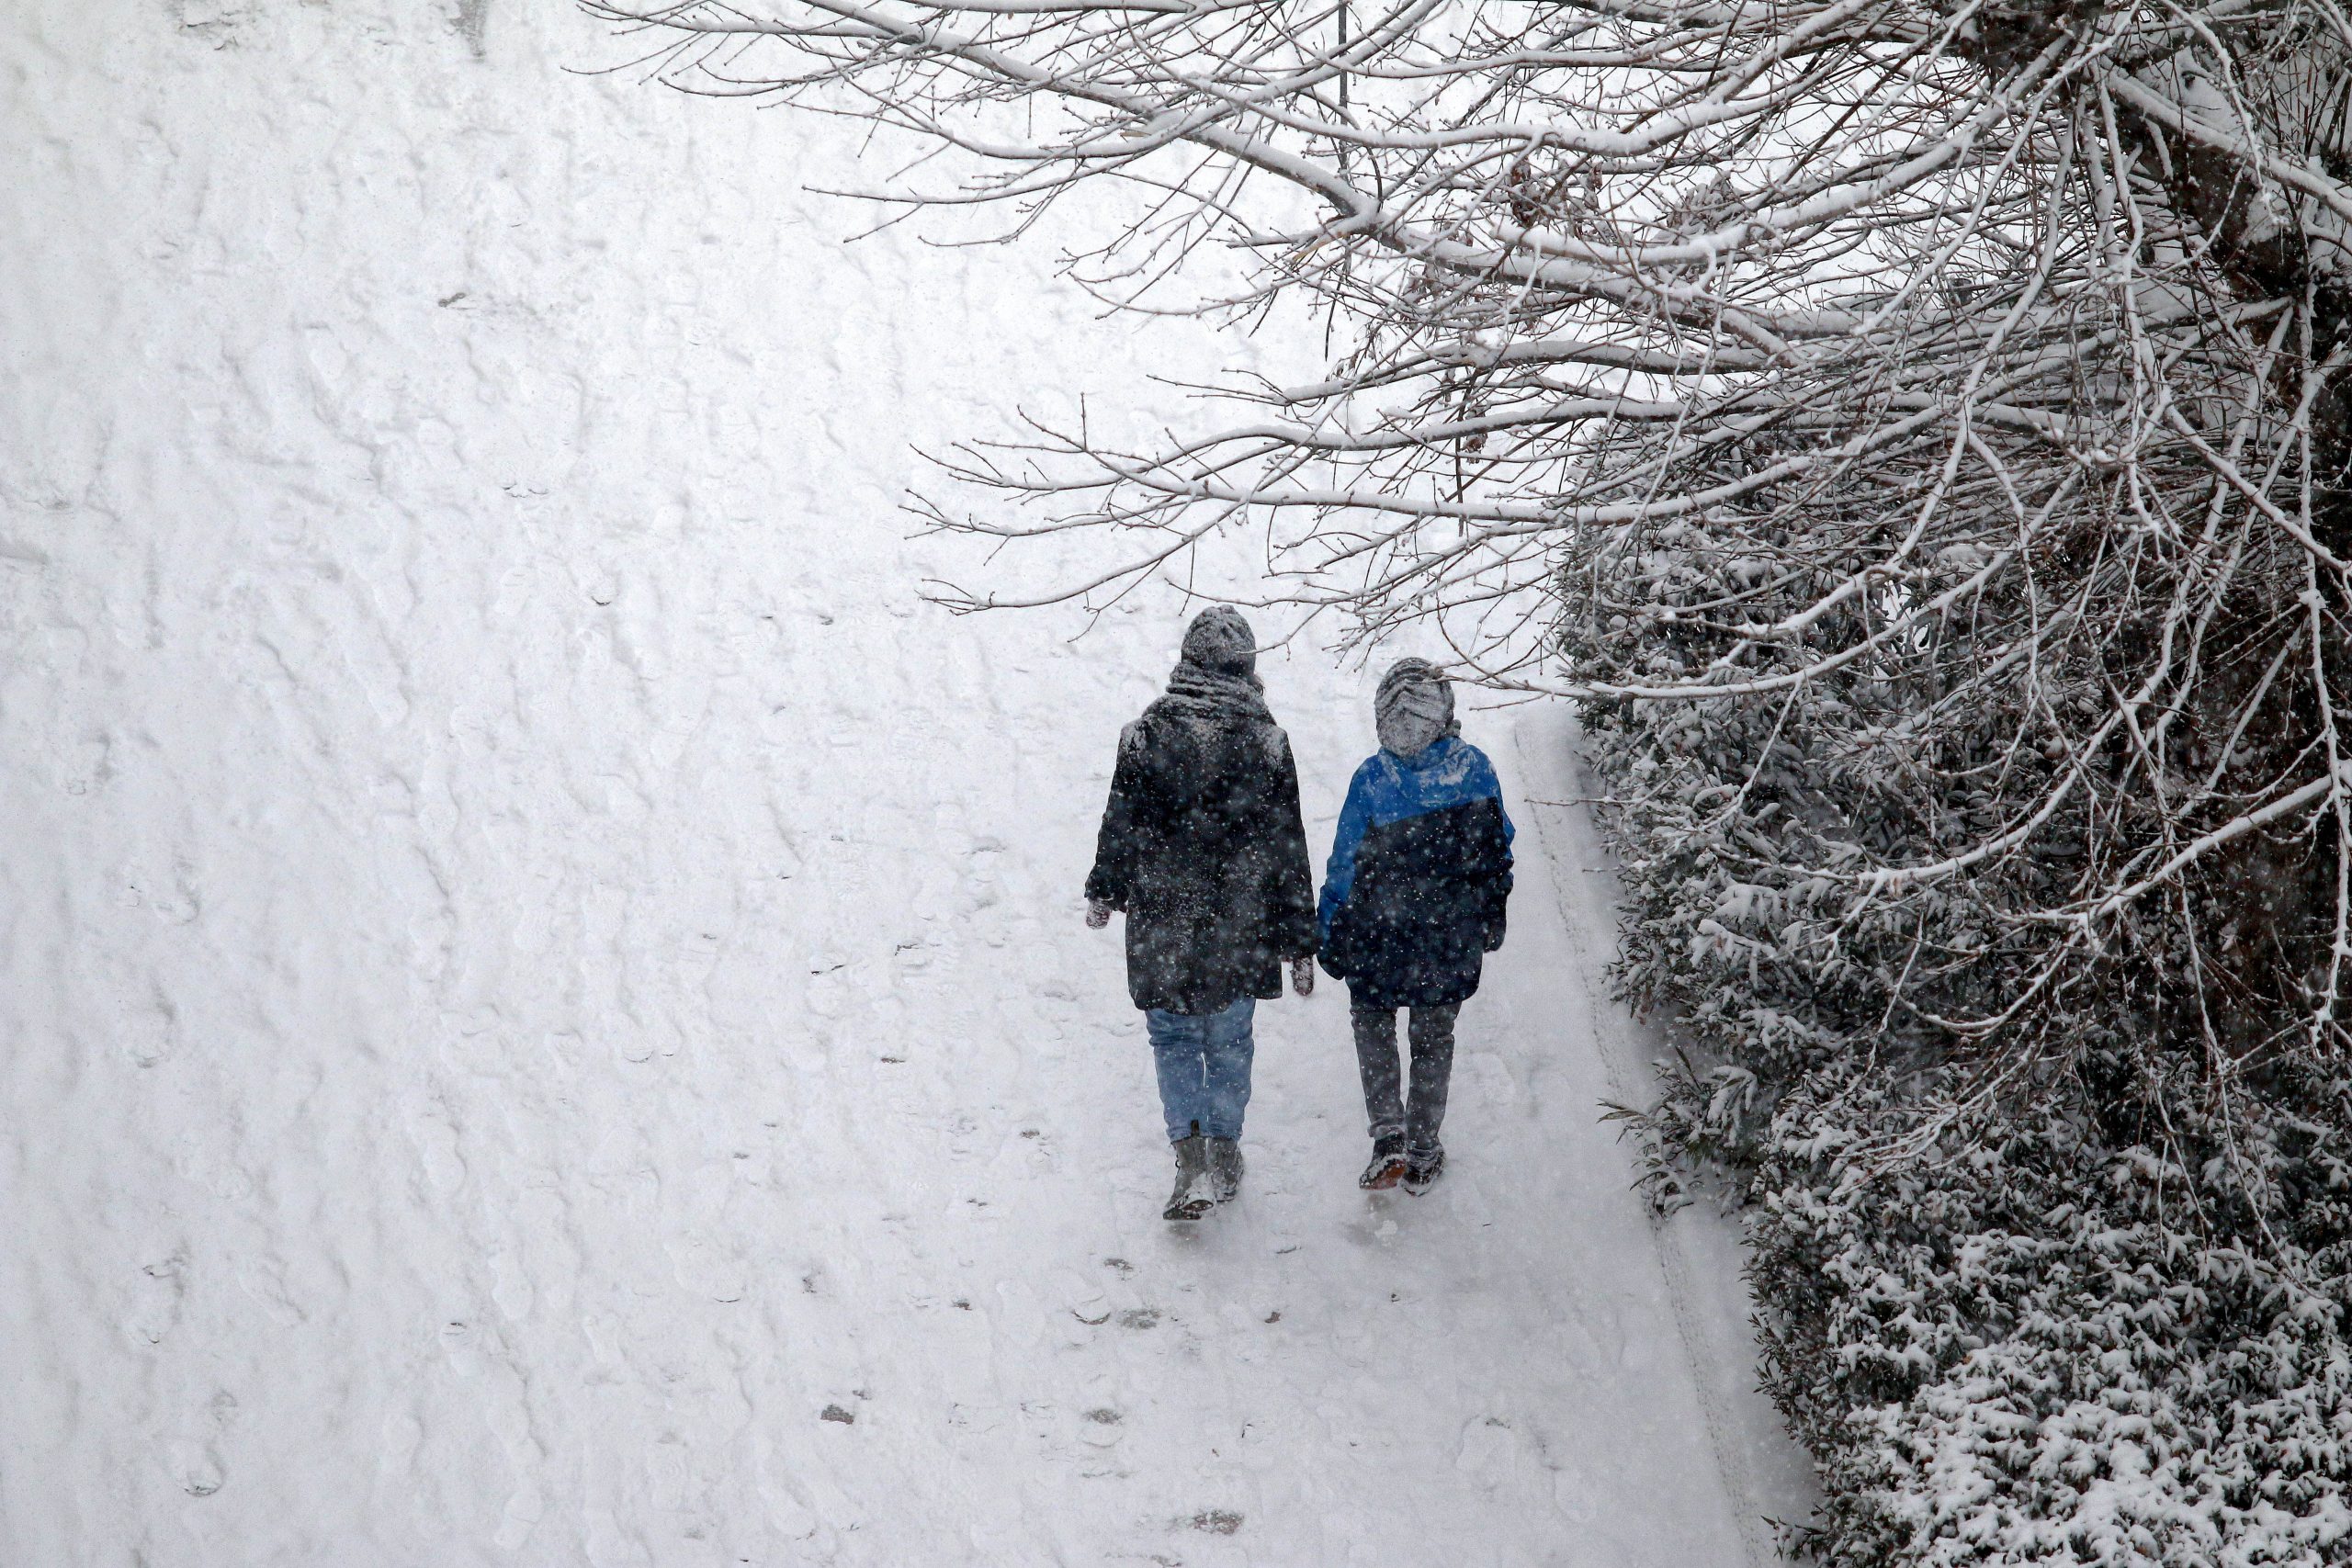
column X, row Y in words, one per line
column 1291, row 900
column 1340, row 872
column 1116, row 845
column 1498, row 890
column 1497, row 872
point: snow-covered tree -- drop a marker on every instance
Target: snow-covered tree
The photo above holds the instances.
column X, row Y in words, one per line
column 1920, row 437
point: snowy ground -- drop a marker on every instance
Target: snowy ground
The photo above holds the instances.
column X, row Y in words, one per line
column 543, row 1015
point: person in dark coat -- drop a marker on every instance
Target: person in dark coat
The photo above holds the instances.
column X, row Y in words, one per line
column 1203, row 849
column 1413, row 900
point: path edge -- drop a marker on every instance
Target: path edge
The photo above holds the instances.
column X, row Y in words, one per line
column 1766, row 1473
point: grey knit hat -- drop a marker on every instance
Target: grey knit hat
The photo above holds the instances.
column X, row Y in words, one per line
column 1414, row 707
column 1220, row 641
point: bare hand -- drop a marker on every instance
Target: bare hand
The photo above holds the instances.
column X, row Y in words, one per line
column 1098, row 914
column 1302, row 976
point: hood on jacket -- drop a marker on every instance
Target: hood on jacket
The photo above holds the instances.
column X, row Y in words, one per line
column 1221, row 642
column 1414, row 707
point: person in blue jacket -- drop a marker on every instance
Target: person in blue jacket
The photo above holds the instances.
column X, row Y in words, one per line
column 1412, row 903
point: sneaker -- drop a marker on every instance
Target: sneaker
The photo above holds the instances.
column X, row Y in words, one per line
column 1387, row 1167
column 1195, row 1193
column 1421, row 1170
column 1225, row 1167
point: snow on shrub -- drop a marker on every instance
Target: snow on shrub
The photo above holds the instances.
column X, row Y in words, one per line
column 2099, row 1315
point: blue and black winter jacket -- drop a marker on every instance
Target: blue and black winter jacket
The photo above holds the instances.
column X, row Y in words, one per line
column 1413, row 898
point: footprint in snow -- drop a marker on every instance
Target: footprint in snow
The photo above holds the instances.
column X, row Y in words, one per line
column 155, row 1307
column 150, row 1035
column 196, row 1467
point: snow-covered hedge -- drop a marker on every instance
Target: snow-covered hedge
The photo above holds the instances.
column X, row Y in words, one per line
column 2097, row 1311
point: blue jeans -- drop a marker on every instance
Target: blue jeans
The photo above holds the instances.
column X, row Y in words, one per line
column 1203, row 1066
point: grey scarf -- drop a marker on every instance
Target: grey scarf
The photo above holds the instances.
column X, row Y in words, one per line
column 1215, row 682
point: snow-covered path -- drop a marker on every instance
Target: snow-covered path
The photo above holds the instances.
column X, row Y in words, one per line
column 543, row 1016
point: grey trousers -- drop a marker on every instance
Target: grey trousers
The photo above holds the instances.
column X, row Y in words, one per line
column 1430, row 1033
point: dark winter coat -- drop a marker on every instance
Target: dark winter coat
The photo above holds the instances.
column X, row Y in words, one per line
column 1202, row 846
column 1421, row 871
